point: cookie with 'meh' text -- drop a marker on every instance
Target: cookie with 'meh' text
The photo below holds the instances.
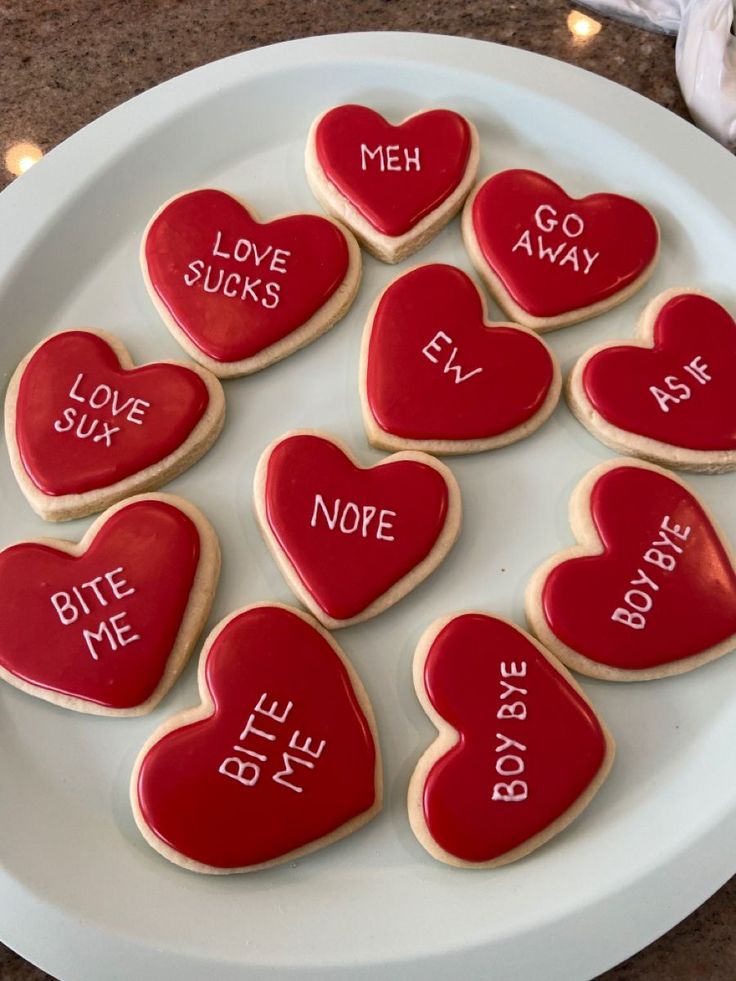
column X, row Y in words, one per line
column 394, row 186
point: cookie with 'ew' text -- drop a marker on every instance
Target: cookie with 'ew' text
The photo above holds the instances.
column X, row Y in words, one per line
column 351, row 540
column 395, row 187
column 520, row 752
column 239, row 294
column 106, row 626
column 551, row 260
column 667, row 396
column 650, row 590
column 436, row 376
column 280, row 759
column 86, row 428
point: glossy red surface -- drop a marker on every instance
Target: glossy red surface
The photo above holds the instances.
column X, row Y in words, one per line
column 149, row 547
column 559, row 742
column 345, row 571
column 382, row 182
column 688, row 409
column 235, row 285
column 546, row 274
column 62, row 438
column 693, row 606
column 265, row 656
column 436, row 371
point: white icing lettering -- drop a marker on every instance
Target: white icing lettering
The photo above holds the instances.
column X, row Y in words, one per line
column 349, row 517
column 564, row 253
column 434, row 346
column 392, row 157
column 673, row 391
column 515, row 791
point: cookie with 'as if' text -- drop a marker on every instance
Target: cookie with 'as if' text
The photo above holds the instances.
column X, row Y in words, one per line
column 105, row 626
column 649, row 591
column 280, row 758
column 551, row 260
column 667, row 395
column 85, row 427
column 352, row 540
column 394, row 186
column 520, row 751
column 238, row 293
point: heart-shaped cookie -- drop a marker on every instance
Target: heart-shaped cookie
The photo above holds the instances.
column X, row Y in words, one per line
column 667, row 396
column 394, row 186
column 239, row 294
column 86, row 428
column 106, row 626
column 651, row 589
column 549, row 259
column 436, row 376
column 520, row 750
column 351, row 541
column 281, row 758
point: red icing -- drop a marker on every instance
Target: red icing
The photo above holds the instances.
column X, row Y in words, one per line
column 158, row 548
column 564, row 746
column 619, row 229
column 61, row 463
column 291, row 289
column 412, row 396
column 393, row 201
column 344, row 572
column 694, row 606
column 217, row 820
column 617, row 381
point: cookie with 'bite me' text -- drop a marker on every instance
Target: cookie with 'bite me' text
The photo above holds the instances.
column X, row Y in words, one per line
column 394, row 186
column 520, row 751
column 86, row 428
column 650, row 590
column 666, row 396
column 351, row 540
column 551, row 260
column 281, row 757
column 106, row 626
column 239, row 294
column 436, row 376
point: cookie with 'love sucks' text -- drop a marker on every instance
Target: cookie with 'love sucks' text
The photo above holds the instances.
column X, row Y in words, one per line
column 85, row 427
column 551, row 260
column 352, row 540
column 280, row 758
column 238, row 293
column 667, row 395
column 394, row 186
column 436, row 376
column 649, row 591
column 520, row 751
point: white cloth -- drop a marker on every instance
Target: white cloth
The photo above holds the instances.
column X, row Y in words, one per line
column 705, row 54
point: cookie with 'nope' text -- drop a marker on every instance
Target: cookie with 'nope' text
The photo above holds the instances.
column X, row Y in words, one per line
column 667, row 395
column 86, row 428
column 650, row 590
column 520, row 751
column 352, row 540
column 551, row 260
column 280, row 758
column 394, row 186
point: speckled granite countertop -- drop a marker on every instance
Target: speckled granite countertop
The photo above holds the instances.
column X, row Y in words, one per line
column 62, row 65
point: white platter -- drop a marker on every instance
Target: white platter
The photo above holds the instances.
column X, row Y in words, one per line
column 81, row 894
